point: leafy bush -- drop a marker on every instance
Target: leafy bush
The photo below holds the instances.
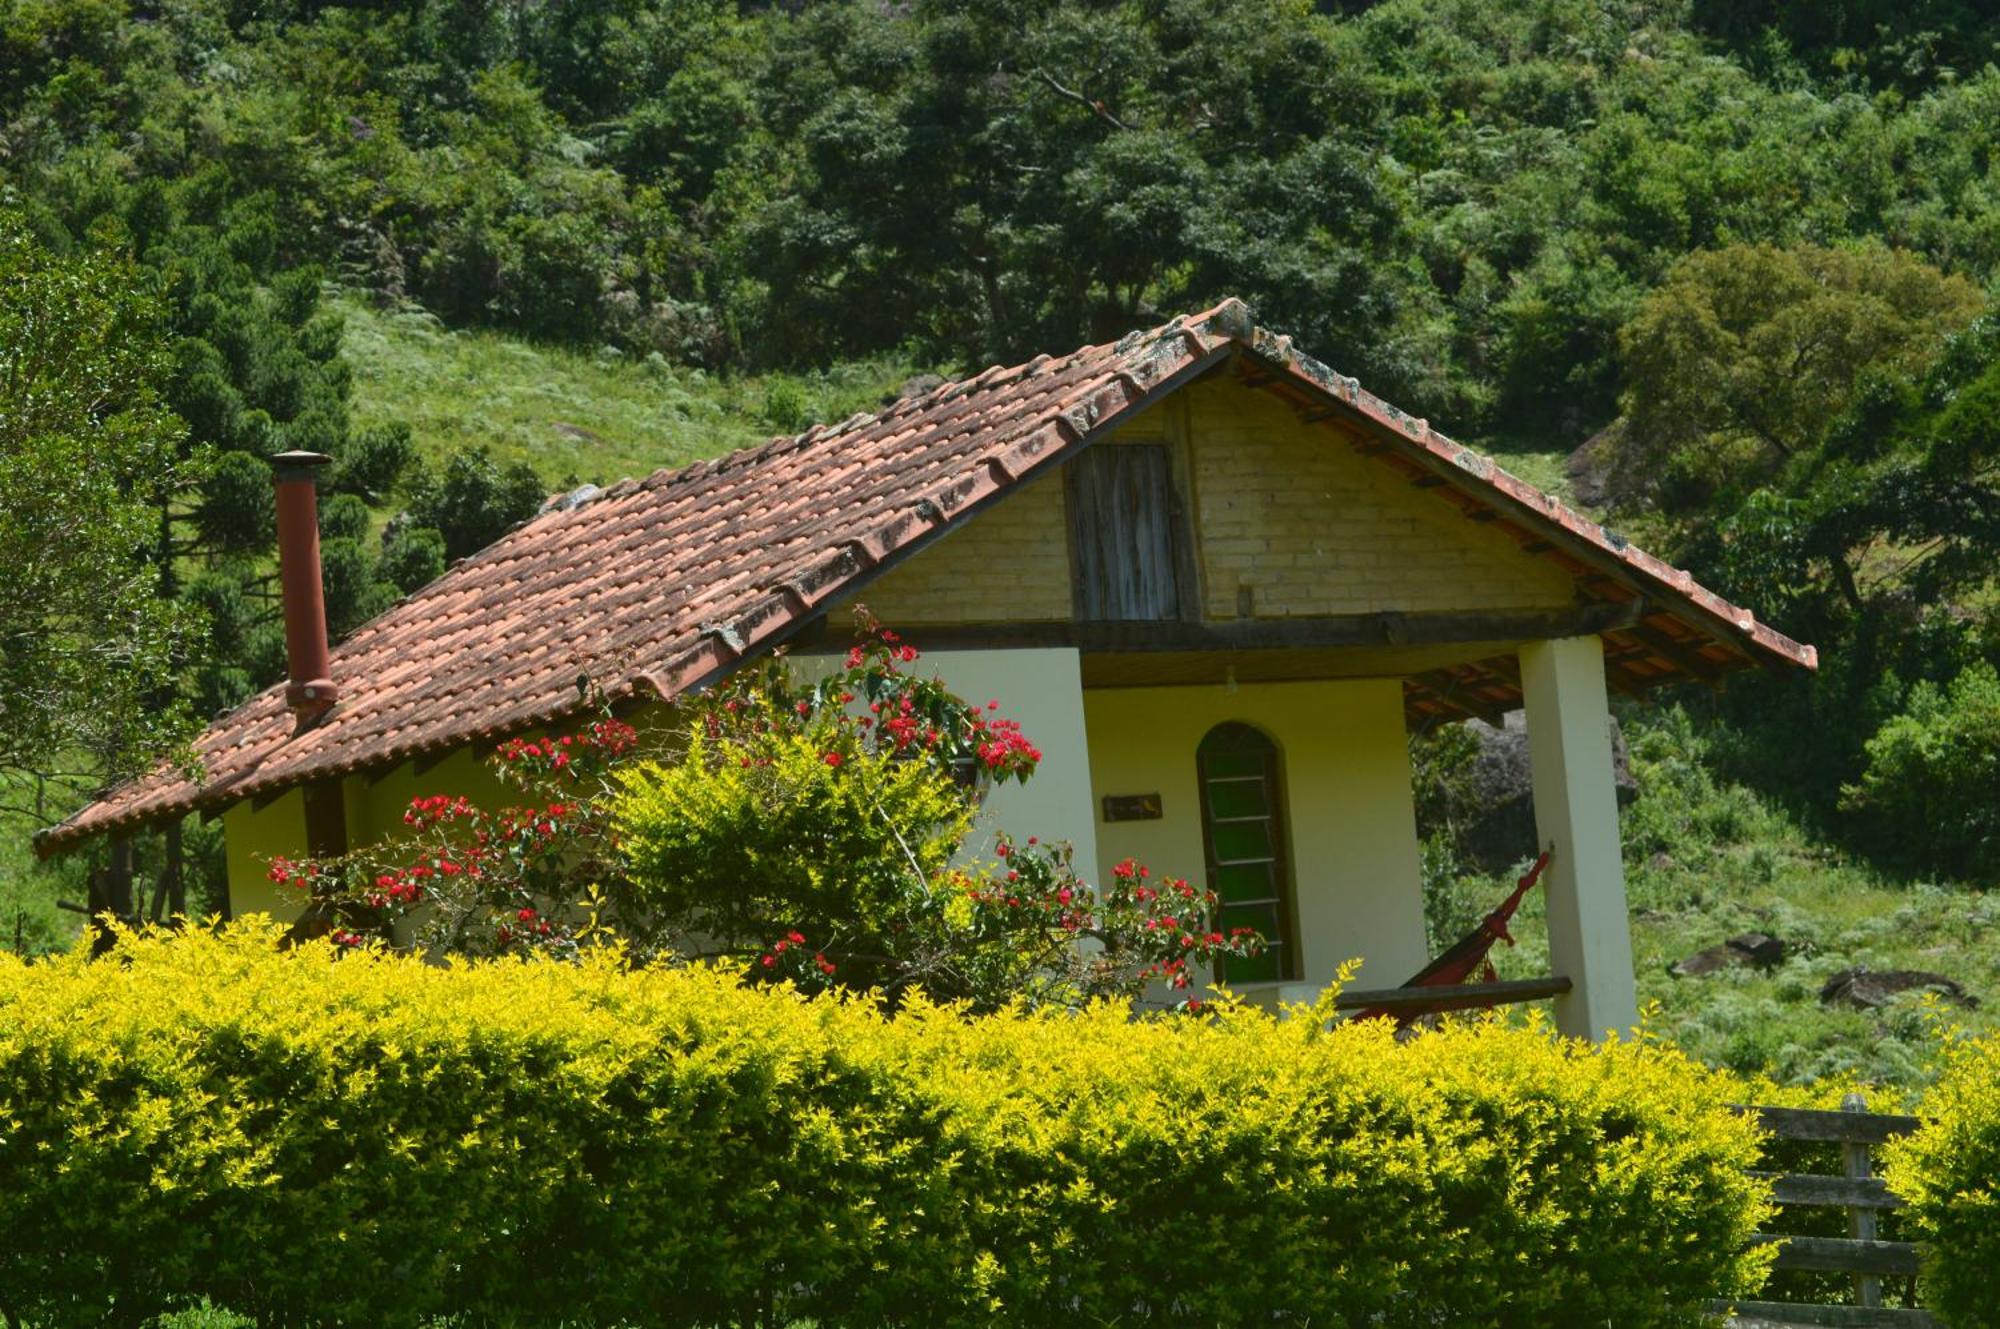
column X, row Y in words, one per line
column 1949, row 1171
column 475, row 501
column 810, row 831
column 816, row 830
column 314, row 1137
column 1931, row 774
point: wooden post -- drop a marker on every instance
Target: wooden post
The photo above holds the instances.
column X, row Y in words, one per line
column 174, row 874
column 111, row 893
column 1576, row 813
column 1860, row 1218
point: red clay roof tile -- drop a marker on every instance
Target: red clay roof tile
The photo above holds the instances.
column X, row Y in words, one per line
column 657, row 585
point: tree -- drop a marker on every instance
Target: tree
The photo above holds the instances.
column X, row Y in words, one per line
column 1878, row 544
column 474, row 501
column 1736, row 366
column 88, row 453
column 1927, row 790
column 995, row 180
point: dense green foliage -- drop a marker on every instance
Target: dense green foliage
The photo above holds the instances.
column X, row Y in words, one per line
column 668, row 1146
column 1947, row 1171
column 1743, row 357
column 1460, row 202
column 87, row 453
column 1931, row 776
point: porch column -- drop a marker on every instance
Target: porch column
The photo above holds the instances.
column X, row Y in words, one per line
column 1576, row 809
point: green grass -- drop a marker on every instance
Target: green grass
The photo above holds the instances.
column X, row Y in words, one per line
column 1534, row 456
column 592, row 417
column 30, row 923
column 1706, row 860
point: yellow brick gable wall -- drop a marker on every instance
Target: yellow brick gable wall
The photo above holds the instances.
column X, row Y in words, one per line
column 1009, row 564
column 1309, row 526
column 1283, row 508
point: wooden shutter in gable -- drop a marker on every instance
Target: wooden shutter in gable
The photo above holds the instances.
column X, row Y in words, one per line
column 1121, row 500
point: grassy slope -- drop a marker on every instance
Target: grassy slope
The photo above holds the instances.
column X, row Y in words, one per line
column 1708, row 860
column 30, row 923
column 594, row 418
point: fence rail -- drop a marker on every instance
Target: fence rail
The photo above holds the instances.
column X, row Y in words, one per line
column 1864, row 1196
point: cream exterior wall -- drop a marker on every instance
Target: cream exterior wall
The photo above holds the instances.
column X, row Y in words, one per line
column 252, row 836
column 1350, row 823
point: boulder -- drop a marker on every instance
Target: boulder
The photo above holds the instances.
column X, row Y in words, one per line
column 1590, row 467
column 1753, row 948
column 1864, row 989
column 914, row 386
column 1501, row 829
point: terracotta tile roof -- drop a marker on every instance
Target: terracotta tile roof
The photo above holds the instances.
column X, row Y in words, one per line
column 658, row 585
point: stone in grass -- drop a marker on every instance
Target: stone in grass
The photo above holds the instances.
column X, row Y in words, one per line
column 1863, row 989
column 1749, row 948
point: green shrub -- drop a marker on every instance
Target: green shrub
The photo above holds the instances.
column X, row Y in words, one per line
column 785, row 406
column 1949, row 1171
column 1928, row 789
column 370, row 1139
column 805, row 830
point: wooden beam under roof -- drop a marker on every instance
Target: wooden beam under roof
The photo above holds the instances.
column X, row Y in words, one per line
column 1317, row 631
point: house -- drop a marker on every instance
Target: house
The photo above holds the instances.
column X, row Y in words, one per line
column 1215, row 580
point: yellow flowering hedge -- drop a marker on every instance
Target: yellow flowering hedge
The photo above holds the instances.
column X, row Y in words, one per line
column 1949, row 1172
column 368, row 1139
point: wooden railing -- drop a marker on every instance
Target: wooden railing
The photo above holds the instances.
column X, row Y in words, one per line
column 1861, row 1253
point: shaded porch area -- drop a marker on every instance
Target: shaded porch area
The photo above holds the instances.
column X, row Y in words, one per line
column 1281, row 774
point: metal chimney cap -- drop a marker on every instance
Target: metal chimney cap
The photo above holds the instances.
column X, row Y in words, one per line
column 298, row 465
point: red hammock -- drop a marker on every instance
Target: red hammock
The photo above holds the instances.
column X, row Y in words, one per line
column 1468, row 955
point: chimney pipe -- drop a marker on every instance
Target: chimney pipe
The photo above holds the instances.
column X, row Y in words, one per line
column 310, row 693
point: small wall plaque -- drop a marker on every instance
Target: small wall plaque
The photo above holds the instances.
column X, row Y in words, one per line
column 1132, row 807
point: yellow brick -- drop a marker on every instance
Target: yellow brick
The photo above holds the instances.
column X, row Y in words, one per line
column 1009, row 564
column 1282, row 507
column 1334, row 532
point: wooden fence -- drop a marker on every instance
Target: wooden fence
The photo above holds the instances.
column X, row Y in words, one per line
column 1861, row 1254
